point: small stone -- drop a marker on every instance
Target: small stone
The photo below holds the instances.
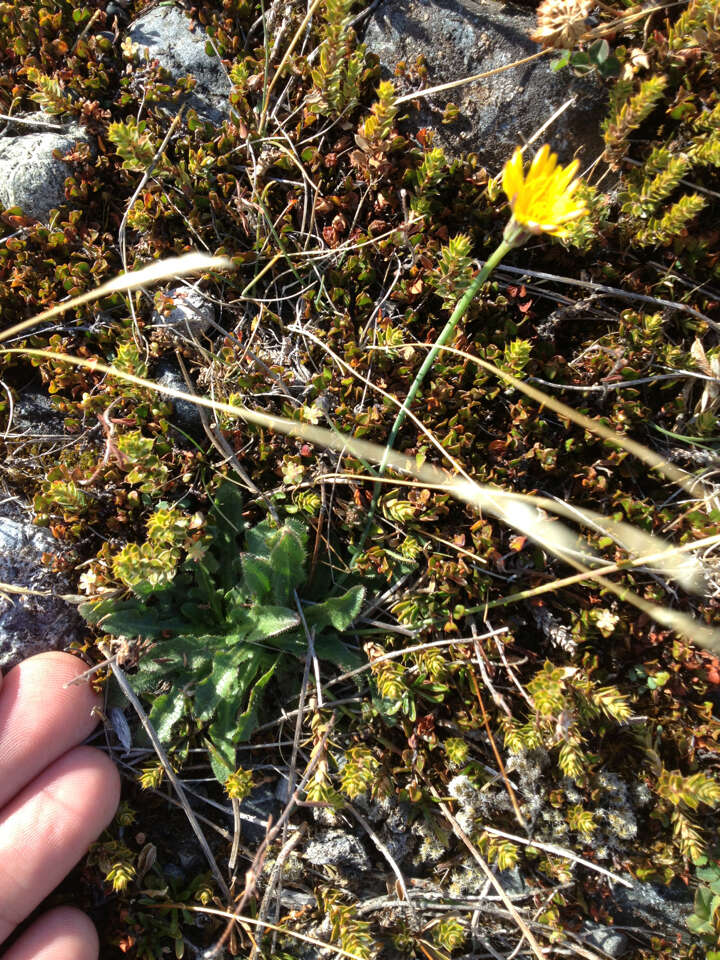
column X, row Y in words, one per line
column 186, row 412
column 295, row 900
column 339, row 849
column 173, row 872
column 30, row 176
column 260, row 806
column 512, row 881
column 116, row 10
column 190, row 858
column 191, row 315
column 165, row 31
column 612, row 942
column 395, row 833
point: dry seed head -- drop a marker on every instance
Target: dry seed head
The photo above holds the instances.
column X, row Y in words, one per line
column 561, row 23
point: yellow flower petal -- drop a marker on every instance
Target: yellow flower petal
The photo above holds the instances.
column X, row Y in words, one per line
column 513, row 175
column 542, row 159
column 567, row 174
column 542, row 201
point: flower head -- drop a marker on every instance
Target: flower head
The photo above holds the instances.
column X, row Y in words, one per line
column 561, row 23
column 542, row 201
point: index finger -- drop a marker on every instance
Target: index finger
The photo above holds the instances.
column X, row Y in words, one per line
column 40, row 717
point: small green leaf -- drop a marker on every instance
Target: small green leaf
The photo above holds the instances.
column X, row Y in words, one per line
column 610, row 68
column 268, row 621
column 129, row 618
column 599, row 51
column 338, row 612
column 288, row 564
column 259, row 539
column 581, row 63
column 257, row 576
column 697, row 924
column 222, row 757
column 330, row 647
column 222, row 684
column 247, row 721
column 166, row 711
column 703, row 903
column 227, row 525
column 561, row 61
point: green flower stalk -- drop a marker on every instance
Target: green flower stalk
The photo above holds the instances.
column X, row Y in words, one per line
column 542, row 201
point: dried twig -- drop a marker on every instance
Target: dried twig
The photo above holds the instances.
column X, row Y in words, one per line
column 254, row 870
column 162, row 756
column 496, row 753
column 386, row 854
column 560, row 852
column 460, row 833
column 275, row 876
column 394, row 654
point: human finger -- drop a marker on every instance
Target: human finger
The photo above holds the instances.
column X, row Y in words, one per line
column 62, row 934
column 48, row 827
column 40, row 717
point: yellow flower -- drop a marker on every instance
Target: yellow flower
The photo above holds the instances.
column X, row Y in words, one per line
column 542, row 201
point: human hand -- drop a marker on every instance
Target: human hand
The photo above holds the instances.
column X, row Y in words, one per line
column 55, row 798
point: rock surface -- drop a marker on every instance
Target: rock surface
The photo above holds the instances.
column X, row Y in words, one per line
column 35, row 418
column 459, row 38
column 512, row 881
column 30, row 176
column 166, row 33
column 31, row 624
column 663, row 909
column 612, row 942
column 339, row 849
column 186, row 414
column 255, row 812
column 191, row 315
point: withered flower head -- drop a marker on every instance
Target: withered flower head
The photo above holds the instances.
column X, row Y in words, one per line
column 561, row 23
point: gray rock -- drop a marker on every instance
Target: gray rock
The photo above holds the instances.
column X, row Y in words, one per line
column 512, row 881
column 459, row 38
column 186, row 412
column 165, row 31
column 663, row 909
column 117, row 10
column 31, row 624
column 612, row 942
column 295, row 900
column 339, row 849
column 191, row 315
column 257, row 809
column 395, row 833
column 34, row 418
column 30, row 176
column 190, row 858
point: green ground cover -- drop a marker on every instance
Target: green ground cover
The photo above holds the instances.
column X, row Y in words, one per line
column 434, row 674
